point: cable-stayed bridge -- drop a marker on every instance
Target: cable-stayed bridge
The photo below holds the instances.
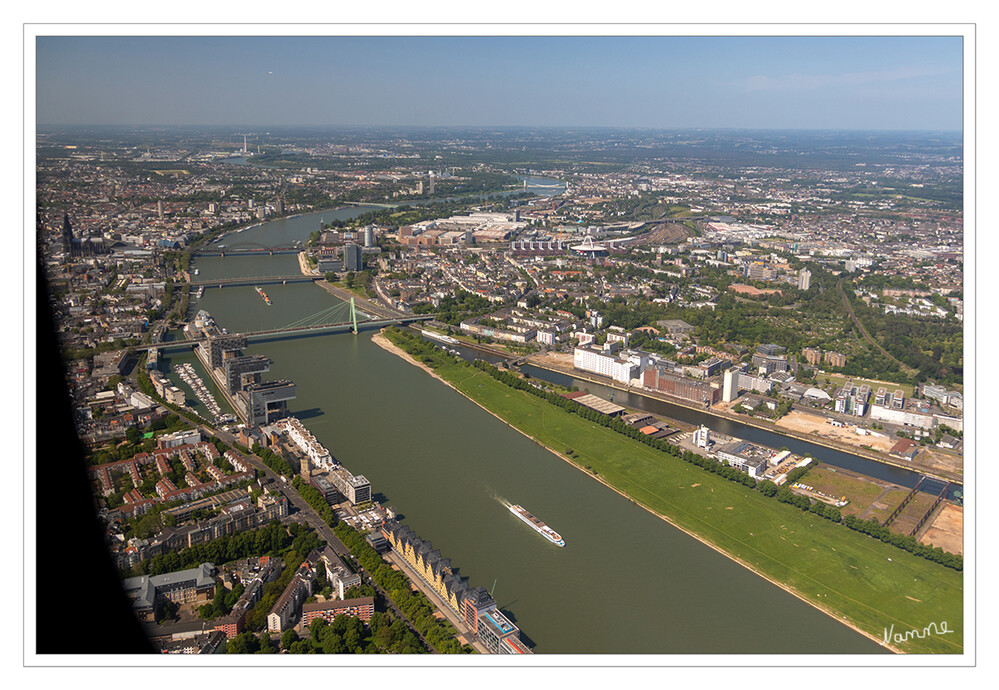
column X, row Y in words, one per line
column 343, row 317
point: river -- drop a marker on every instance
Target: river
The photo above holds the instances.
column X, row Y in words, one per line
column 626, row 582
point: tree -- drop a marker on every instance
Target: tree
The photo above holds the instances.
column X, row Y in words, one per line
column 267, row 645
column 243, row 643
column 317, row 628
column 289, row 638
column 354, row 634
column 133, row 434
column 300, row 647
column 334, row 644
column 767, row 487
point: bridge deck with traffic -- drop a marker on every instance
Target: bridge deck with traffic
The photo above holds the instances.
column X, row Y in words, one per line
column 254, row 280
column 290, row 332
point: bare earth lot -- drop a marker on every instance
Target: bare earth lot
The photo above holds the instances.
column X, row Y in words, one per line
column 805, row 424
column 947, row 529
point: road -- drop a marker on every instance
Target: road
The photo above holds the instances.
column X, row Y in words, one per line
column 362, row 303
column 435, row 599
column 313, row 519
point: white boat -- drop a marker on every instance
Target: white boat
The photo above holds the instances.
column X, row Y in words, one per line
column 538, row 526
column 440, row 336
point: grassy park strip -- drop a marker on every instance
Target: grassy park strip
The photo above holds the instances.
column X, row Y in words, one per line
column 869, row 585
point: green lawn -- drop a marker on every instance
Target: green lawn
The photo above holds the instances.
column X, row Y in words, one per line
column 839, row 380
column 871, row 584
column 858, row 492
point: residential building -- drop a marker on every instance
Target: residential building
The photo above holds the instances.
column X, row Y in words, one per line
column 286, row 608
column 812, row 355
column 834, row 359
column 361, row 607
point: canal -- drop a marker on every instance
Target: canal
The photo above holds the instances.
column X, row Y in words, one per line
column 626, row 582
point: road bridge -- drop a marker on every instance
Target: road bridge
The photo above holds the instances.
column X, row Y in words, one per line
column 245, row 251
column 290, row 332
column 257, row 280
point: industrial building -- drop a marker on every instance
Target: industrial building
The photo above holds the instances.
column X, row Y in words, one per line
column 659, row 379
column 621, row 367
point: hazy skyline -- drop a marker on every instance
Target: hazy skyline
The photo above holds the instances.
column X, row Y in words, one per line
column 894, row 83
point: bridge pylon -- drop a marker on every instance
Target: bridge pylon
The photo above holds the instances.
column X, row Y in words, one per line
column 353, row 315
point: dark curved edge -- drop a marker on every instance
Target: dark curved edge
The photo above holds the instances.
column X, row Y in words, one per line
column 76, row 578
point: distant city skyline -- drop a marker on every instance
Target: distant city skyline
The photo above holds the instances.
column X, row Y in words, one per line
column 858, row 83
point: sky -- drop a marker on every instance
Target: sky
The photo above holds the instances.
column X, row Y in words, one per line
column 818, row 82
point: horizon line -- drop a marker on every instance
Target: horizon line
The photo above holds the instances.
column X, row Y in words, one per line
column 508, row 126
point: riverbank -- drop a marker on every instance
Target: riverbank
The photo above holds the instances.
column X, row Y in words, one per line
column 303, row 265
column 813, row 561
column 931, row 470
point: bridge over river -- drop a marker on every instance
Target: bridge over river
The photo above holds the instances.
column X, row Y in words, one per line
column 254, row 280
column 246, row 251
column 290, row 332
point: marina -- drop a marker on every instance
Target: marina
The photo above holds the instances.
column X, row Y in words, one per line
column 191, row 378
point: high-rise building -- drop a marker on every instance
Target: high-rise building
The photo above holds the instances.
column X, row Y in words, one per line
column 804, row 279
column 218, row 346
column 243, row 370
column 730, row 391
column 352, row 257
column 369, row 236
column 263, row 403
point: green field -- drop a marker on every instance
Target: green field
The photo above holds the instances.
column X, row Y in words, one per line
column 839, row 380
column 859, row 492
column 864, row 581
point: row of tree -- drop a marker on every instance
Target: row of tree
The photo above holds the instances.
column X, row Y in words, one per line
column 904, row 541
column 314, row 498
column 415, row 605
column 273, row 460
column 383, row 634
column 267, row 540
column 407, row 341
